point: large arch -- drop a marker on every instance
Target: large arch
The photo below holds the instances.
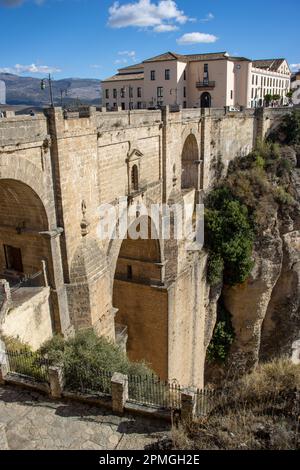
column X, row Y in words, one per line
column 23, row 217
column 189, row 163
column 141, row 319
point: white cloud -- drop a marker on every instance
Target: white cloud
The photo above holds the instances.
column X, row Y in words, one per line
column 208, row 17
column 32, row 68
column 96, row 66
column 295, row 66
column 146, row 14
column 127, row 53
column 15, row 3
column 164, row 28
column 121, row 61
column 195, row 38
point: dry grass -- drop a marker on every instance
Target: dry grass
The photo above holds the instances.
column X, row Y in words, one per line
column 259, row 411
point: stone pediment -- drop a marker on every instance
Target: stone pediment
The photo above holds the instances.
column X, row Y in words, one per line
column 133, row 153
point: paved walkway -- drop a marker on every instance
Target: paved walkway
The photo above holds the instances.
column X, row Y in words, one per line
column 29, row 420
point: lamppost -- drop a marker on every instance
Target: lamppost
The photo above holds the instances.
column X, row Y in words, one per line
column 43, row 86
column 62, row 92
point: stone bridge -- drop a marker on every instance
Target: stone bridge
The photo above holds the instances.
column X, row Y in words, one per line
column 148, row 294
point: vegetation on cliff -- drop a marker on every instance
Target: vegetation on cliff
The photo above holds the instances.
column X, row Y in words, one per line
column 223, row 336
column 259, row 411
column 258, row 193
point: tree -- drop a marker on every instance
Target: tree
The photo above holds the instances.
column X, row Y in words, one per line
column 268, row 98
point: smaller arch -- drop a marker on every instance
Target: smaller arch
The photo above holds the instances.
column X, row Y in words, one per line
column 205, row 100
column 190, row 155
column 135, row 178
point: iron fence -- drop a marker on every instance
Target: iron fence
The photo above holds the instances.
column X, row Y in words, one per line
column 205, row 401
column 28, row 364
column 151, row 391
column 32, row 280
column 87, row 379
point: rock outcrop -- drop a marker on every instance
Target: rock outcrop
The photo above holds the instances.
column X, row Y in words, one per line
column 266, row 308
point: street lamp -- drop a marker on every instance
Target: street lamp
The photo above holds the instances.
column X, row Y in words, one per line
column 63, row 92
column 43, row 86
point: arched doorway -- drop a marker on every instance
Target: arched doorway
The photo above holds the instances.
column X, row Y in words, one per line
column 205, row 100
column 189, row 159
column 141, row 302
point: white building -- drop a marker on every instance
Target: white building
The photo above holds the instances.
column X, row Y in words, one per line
column 206, row 80
column 2, row 92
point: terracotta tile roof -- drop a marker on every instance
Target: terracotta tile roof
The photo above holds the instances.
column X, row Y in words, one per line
column 268, row 64
column 125, row 77
column 209, row 56
column 193, row 57
column 132, row 67
column 166, row 56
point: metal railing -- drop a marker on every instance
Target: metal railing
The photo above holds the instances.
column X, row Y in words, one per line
column 205, row 84
column 205, row 401
column 151, row 391
column 87, row 379
column 29, row 364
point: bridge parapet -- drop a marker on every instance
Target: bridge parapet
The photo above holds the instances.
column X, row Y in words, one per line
column 16, row 130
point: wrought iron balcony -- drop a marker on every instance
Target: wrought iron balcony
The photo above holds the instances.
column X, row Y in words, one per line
column 206, row 84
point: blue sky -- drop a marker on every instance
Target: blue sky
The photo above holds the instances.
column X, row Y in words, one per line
column 92, row 38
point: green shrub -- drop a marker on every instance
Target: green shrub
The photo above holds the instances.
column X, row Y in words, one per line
column 85, row 355
column 289, row 129
column 223, row 336
column 283, row 197
column 215, row 269
column 229, row 236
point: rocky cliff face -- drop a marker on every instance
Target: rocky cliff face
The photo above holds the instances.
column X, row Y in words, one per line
column 266, row 308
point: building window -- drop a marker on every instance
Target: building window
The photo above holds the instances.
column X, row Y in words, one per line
column 152, row 75
column 160, row 103
column 130, row 92
column 159, row 92
column 139, row 92
column 139, row 105
column 122, row 92
column 184, row 104
column 13, row 258
column 184, row 75
column 123, row 106
column 135, row 178
column 231, row 94
column 107, row 106
column 184, row 91
column 115, row 93
column 115, row 105
column 129, row 271
column 167, row 74
column 107, row 93
column 205, row 68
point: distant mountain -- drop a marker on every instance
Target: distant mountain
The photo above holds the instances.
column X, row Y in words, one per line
column 27, row 91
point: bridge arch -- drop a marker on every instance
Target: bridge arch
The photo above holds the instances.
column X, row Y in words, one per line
column 140, row 301
column 189, row 163
column 23, row 217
